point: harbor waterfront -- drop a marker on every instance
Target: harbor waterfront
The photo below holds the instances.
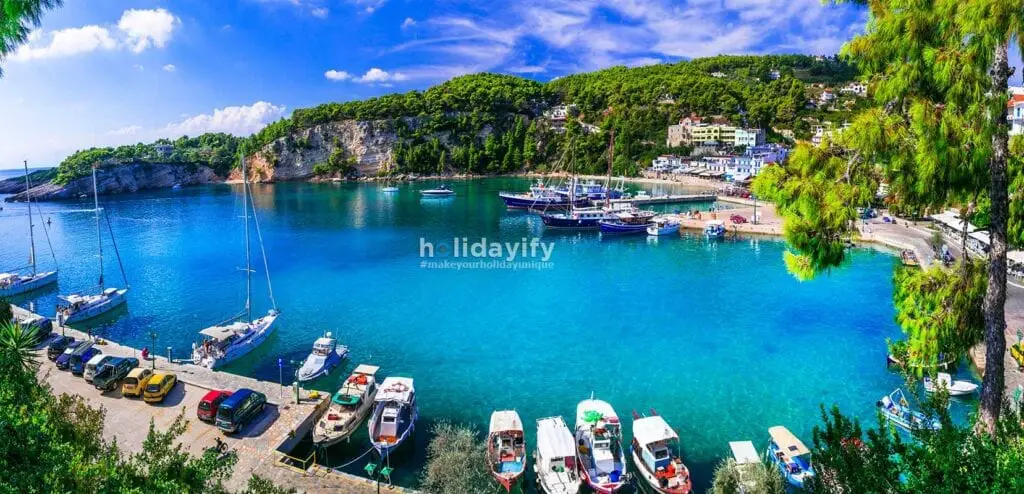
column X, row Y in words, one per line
column 715, row 335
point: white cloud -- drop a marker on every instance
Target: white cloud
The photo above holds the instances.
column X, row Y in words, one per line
column 126, row 131
column 237, row 120
column 379, row 76
column 369, row 6
column 145, row 28
column 65, row 43
column 408, row 22
column 169, row 68
column 320, row 12
column 138, row 67
column 337, row 75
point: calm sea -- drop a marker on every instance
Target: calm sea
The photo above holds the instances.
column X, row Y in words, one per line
column 716, row 336
column 18, row 172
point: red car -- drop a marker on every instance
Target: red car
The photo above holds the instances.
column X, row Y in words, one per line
column 737, row 219
column 207, row 410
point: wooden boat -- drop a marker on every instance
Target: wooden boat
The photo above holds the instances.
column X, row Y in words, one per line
column 443, row 191
column 349, row 406
column 658, row 456
column 394, row 414
column 747, row 460
column 909, row 258
column 663, row 226
column 599, row 452
column 14, row 283
column 627, row 222
column 790, row 455
column 944, row 380
column 506, row 448
column 895, row 409
column 554, row 460
column 326, row 355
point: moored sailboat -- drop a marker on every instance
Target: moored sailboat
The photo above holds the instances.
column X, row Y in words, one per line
column 15, row 283
column 554, row 460
column 599, row 453
column 349, row 406
column 658, row 456
column 394, row 414
column 506, row 448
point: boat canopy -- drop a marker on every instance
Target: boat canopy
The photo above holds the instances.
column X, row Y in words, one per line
column 744, row 452
column 367, row 369
column 554, row 439
column 221, row 333
column 787, row 442
column 649, row 430
column 74, row 298
column 593, row 411
column 396, row 389
column 505, row 420
column 715, row 222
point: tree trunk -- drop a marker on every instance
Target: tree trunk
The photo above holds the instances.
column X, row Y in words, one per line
column 994, row 306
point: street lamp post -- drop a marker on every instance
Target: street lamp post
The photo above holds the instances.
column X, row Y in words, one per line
column 168, row 355
column 754, row 197
column 152, row 337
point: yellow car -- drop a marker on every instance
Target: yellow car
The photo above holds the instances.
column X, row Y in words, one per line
column 159, row 386
column 136, row 381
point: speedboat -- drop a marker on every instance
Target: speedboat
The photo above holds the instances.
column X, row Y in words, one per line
column 226, row 343
column 599, row 446
column 443, row 191
column 349, row 406
column 554, row 460
column 896, row 409
column 627, row 222
column 658, row 456
column 790, row 455
column 78, row 307
column 326, row 355
column 714, row 229
column 394, row 414
column 662, row 225
column 944, row 380
column 506, row 448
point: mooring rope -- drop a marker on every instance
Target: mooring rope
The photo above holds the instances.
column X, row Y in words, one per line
column 353, row 461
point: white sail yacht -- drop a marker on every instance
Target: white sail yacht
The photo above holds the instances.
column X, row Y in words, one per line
column 79, row 306
column 14, row 283
column 239, row 335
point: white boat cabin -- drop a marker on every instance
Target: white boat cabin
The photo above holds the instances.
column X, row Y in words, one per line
column 656, row 440
column 395, row 393
column 555, row 460
column 324, row 345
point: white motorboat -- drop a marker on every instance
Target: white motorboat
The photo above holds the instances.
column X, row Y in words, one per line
column 229, row 340
column 15, row 283
column 554, row 460
column 944, row 380
column 389, row 188
column 714, row 229
column 662, row 225
column 506, row 448
column 326, row 355
column 80, row 307
column 442, row 191
column 349, row 406
column 599, row 438
column 896, row 409
column 394, row 414
column 658, row 456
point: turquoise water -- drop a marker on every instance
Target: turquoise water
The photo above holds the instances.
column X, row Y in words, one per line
column 717, row 337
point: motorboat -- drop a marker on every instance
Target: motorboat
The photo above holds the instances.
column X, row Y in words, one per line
column 389, row 188
column 714, row 229
column 663, row 225
column 443, row 191
column 627, row 222
column 789, row 454
column 944, row 380
column 326, row 355
column 506, row 448
column 394, row 414
column 554, row 460
column 349, row 406
column 658, row 456
column 895, row 409
column 599, row 452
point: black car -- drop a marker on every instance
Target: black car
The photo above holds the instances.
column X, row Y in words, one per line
column 58, row 346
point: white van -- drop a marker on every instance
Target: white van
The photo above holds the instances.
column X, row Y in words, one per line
column 94, row 363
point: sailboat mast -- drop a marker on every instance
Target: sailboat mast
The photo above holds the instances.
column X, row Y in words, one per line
column 248, row 264
column 611, row 159
column 31, row 235
column 99, row 232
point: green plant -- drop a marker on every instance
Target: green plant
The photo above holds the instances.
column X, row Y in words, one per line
column 456, row 461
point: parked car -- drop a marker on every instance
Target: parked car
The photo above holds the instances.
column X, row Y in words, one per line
column 114, row 370
column 207, row 409
column 136, row 381
column 238, row 409
column 78, row 361
column 64, row 360
column 159, row 386
column 93, row 365
column 737, row 219
column 58, row 346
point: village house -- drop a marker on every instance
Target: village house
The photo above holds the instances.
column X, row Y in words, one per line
column 855, row 88
column 1015, row 114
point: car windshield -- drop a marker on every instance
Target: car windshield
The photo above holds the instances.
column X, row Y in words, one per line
column 225, row 412
column 203, row 405
column 153, row 388
column 131, row 381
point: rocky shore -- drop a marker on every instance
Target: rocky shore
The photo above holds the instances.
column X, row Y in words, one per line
column 120, row 179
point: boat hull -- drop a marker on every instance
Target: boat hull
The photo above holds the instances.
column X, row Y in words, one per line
column 651, row 481
column 383, row 448
column 622, row 228
column 553, row 221
column 521, row 201
column 662, row 231
column 111, row 302
column 324, row 438
column 37, row 281
column 330, row 363
column 241, row 348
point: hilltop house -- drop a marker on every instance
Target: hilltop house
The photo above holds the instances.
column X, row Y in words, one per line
column 826, row 97
column 855, row 88
column 1015, row 113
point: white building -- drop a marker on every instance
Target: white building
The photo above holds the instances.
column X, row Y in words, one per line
column 718, row 74
column 666, row 162
column 1015, row 113
column 855, row 88
column 775, row 75
column 748, row 137
column 827, row 96
column 163, row 150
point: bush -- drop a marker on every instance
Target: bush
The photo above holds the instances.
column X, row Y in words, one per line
column 456, row 461
column 764, row 479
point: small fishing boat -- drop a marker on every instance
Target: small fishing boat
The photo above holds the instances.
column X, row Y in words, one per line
column 554, row 460
column 506, row 448
column 747, row 460
column 394, row 414
column 326, row 355
column 714, row 229
column 390, row 188
column 443, row 191
column 790, row 455
column 658, row 455
column 599, row 446
column 349, row 406
column 14, row 283
column 909, row 258
column 627, row 222
column 944, row 380
column 896, row 409
column 663, row 225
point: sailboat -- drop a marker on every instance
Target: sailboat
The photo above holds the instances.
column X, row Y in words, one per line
column 239, row 335
column 14, row 283
column 80, row 307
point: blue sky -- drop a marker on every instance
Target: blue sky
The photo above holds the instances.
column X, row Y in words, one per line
column 102, row 72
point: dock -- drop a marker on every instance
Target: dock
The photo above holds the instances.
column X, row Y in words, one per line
column 262, row 447
column 666, row 199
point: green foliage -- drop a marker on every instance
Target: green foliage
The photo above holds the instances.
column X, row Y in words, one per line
column 17, row 343
column 759, row 478
column 337, row 165
column 260, row 485
column 216, row 150
column 456, row 461
column 6, row 313
column 17, row 18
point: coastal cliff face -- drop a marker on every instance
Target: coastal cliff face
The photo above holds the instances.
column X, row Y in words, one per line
column 126, row 178
column 370, row 143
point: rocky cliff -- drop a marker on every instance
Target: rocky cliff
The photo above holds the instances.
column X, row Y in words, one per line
column 125, row 178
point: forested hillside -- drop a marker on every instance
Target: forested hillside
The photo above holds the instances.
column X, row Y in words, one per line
column 490, row 123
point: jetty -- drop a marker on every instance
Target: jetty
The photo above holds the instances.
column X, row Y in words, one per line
column 263, row 447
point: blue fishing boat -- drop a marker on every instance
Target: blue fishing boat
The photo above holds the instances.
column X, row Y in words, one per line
column 790, row 455
column 896, row 410
column 394, row 414
column 714, row 229
column 540, row 197
column 627, row 222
